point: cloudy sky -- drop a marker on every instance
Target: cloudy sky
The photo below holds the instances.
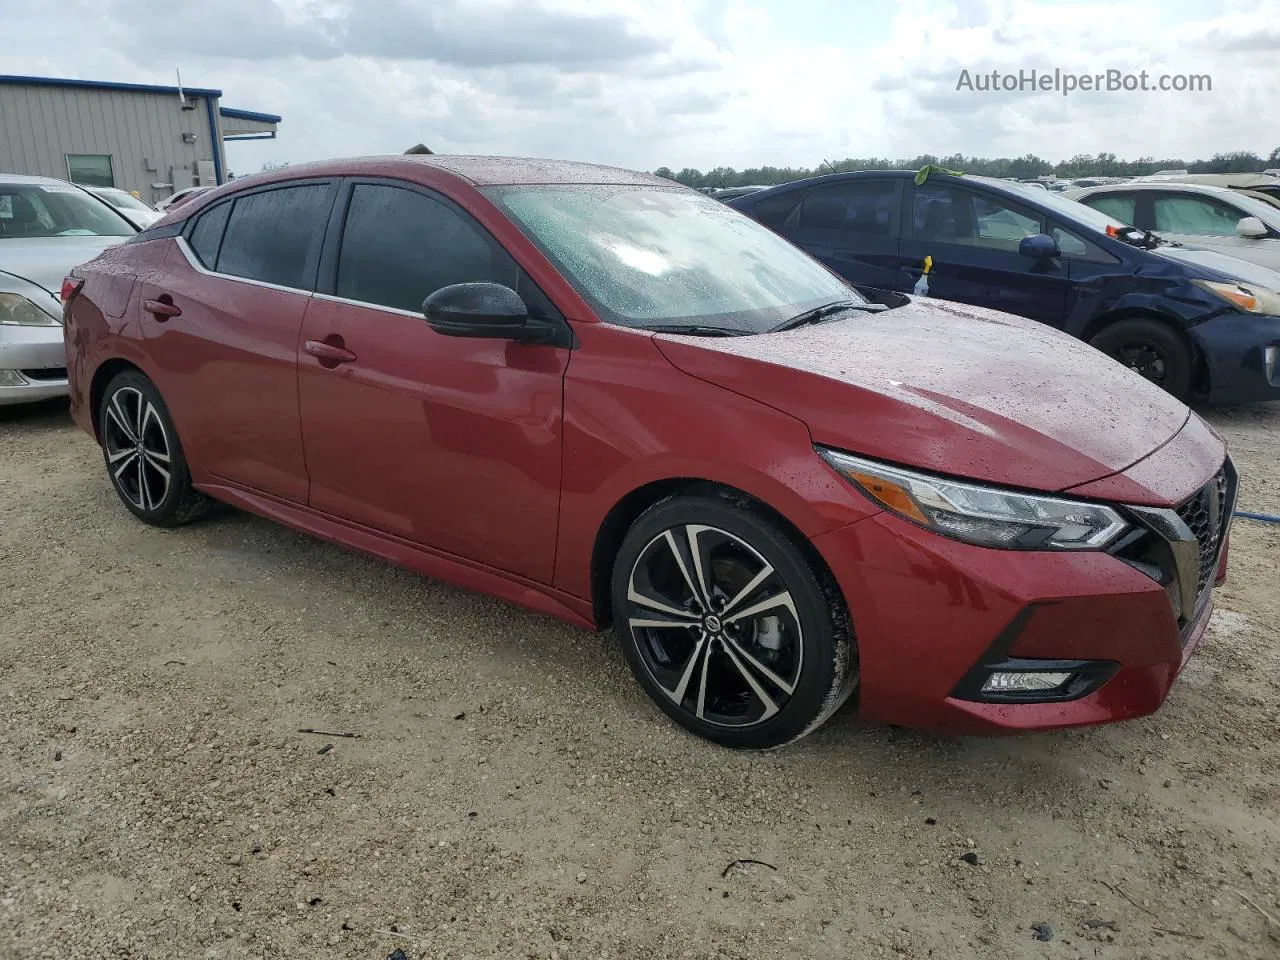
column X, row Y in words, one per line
column 701, row 83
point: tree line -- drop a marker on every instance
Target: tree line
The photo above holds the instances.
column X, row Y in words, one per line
column 1023, row 168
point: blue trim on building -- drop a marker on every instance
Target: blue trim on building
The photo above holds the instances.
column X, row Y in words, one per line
column 105, row 85
column 235, row 114
column 214, row 140
column 248, row 136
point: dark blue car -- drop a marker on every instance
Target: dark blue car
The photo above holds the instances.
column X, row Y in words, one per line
column 1200, row 324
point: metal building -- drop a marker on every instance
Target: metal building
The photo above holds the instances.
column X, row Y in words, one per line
column 150, row 139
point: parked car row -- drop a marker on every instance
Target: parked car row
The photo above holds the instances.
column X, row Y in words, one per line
column 620, row 402
column 1197, row 322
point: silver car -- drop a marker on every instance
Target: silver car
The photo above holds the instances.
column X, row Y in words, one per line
column 1196, row 214
column 46, row 228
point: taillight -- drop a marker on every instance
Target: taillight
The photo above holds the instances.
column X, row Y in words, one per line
column 70, row 287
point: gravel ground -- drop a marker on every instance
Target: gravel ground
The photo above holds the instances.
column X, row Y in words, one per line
column 513, row 794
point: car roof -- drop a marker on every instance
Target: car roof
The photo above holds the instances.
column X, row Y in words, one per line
column 480, row 171
column 16, row 178
column 1166, row 185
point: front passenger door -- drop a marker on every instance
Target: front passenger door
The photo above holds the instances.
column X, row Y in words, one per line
column 973, row 238
column 449, row 442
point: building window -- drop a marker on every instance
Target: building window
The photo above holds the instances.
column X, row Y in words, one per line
column 90, row 169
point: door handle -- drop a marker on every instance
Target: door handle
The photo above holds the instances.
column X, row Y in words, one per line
column 162, row 308
column 329, row 353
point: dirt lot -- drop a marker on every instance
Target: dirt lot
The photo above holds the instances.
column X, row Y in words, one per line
column 513, row 794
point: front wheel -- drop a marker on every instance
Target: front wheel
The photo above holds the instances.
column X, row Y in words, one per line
column 727, row 624
column 1152, row 349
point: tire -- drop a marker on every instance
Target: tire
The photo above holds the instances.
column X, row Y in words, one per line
column 741, row 679
column 143, row 455
column 1151, row 348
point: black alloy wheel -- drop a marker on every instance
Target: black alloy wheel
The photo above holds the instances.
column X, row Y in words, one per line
column 728, row 625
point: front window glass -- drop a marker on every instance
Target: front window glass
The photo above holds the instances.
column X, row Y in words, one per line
column 948, row 214
column 29, row 210
column 650, row 255
column 1195, row 215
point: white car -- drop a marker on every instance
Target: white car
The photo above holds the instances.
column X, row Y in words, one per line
column 1215, row 218
column 138, row 212
column 182, row 196
column 46, row 227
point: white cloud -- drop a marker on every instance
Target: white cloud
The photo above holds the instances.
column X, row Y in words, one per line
column 716, row 82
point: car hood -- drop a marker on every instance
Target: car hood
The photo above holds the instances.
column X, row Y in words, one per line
column 1211, row 265
column 951, row 389
column 44, row 261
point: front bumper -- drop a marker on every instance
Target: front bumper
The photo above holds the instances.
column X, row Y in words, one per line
column 1242, row 353
column 33, row 362
column 928, row 612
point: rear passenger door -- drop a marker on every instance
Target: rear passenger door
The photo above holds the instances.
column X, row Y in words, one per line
column 973, row 237
column 851, row 226
column 227, row 364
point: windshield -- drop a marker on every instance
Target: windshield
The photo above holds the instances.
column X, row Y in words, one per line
column 1072, row 210
column 30, row 210
column 123, row 201
column 647, row 256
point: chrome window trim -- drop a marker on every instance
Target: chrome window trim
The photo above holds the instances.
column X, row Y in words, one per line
column 396, row 311
column 199, row 267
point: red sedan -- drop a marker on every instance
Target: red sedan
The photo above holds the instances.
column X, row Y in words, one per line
column 616, row 401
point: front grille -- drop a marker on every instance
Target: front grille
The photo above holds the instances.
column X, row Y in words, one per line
column 1203, row 515
column 45, row 373
column 1180, row 548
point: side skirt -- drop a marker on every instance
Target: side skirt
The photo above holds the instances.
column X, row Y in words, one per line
column 462, row 573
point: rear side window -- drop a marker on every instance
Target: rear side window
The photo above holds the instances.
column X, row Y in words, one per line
column 272, row 235
column 400, row 246
column 206, row 235
column 1118, row 206
column 858, row 206
column 774, row 211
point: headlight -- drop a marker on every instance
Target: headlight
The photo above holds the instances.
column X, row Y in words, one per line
column 1247, row 296
column 986, row 516
column 18, row 311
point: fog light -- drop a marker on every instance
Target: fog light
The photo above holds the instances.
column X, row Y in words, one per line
column 1269, row 356
column 1030, row 682
column 12, row 378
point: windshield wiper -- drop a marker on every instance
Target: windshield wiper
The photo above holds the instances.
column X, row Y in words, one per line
column 817, row 314
column 695, row 329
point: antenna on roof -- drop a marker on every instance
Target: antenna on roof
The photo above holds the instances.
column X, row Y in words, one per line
column 182, row 97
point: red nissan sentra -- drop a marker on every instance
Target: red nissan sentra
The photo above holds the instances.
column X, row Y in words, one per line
column 619, row 402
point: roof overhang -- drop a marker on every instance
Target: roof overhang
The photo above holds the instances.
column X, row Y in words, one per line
column 247, row 124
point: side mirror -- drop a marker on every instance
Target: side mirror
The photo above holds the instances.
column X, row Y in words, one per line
column 1251, row 228
column 1040, row 247
column 478, row 310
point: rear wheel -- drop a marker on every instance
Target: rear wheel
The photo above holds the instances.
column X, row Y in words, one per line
column 143, row 455
column 1152, row 349
column 728, row 625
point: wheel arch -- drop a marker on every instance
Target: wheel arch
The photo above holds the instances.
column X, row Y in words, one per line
column 106, row 371
column 1199, row 366
column 616, row 523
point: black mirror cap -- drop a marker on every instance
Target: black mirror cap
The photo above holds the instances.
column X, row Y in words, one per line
column 477, row 310
column 1039, row 247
